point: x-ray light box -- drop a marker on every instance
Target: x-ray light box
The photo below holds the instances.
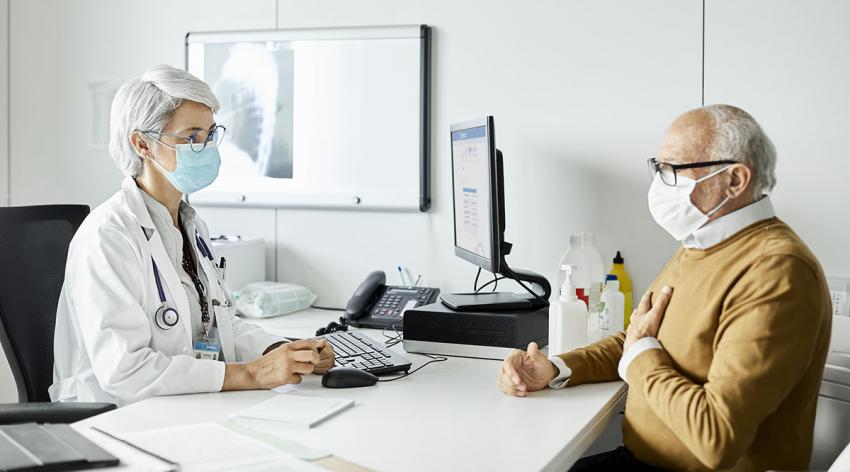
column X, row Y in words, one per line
column 332, row 117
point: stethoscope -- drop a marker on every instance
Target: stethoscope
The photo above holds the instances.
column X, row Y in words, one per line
column 167, row 317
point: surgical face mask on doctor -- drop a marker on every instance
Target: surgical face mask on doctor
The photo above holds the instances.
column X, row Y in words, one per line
column 195, row 170
column 671, row 205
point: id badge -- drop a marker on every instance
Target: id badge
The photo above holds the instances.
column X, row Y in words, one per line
column 206, row 347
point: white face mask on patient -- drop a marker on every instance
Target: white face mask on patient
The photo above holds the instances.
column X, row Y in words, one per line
column 671, row 206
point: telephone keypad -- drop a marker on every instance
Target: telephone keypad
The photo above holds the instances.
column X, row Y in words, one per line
column 395, row 299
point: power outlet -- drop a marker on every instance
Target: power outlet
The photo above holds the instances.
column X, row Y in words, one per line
column 839, row 290
column 839, row 303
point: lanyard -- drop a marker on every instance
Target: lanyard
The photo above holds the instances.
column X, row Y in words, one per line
column 191, row 269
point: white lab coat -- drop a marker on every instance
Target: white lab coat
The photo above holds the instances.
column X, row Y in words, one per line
column 107, row 347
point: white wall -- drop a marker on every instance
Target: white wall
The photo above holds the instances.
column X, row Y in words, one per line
column 61, row 47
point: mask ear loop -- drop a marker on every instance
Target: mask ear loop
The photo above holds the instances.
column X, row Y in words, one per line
column 725, row 200
column 717, row 172
column 150, row 155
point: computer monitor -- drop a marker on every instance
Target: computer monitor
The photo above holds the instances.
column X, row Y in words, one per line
column 478, row 198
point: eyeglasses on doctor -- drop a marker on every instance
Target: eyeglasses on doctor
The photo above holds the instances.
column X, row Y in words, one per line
column 198, row 140
column 668, row 171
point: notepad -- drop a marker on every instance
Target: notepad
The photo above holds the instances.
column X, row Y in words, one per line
column 298, row 410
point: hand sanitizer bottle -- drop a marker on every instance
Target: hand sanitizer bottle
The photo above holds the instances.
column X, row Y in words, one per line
column 581, row 276
column 568, row 329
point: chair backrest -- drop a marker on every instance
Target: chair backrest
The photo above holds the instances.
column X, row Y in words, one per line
column 832, row 423
column 33, row 249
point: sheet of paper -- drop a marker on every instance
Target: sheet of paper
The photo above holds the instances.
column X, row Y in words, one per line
column 213, row 447
column 302, row 410
column 131, row 459
column 267, row 433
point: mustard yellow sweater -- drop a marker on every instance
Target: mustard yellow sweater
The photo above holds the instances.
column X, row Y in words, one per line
column 745, row 340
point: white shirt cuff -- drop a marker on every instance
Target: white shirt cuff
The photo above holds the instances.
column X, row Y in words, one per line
column 564, row 373
column 636, row 349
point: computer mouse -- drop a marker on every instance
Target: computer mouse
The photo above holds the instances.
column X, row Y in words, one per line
column 348, row 377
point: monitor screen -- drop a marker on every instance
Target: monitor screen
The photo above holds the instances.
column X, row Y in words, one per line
column 472, row 193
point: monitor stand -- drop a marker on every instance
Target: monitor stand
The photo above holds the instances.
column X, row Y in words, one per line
column 503, row 301
column 487, row 301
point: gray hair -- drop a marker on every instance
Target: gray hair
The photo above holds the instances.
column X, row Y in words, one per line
column 738, row 137
column 146, row 103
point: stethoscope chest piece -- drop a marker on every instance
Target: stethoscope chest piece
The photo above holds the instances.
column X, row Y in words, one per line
column 166, row 317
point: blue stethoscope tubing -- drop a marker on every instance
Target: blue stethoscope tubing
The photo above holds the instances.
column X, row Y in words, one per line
column 167, row 317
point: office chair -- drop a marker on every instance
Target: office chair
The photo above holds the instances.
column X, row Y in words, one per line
column 33, row 249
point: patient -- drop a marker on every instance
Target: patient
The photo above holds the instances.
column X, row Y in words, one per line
column 725, row 352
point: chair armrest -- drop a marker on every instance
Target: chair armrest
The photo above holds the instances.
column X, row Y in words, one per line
column 49, row 412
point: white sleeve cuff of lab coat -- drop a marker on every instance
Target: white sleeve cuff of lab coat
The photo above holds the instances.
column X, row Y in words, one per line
column 636, row 349
column 251, row 343
column 564, row 373
column 215, row 371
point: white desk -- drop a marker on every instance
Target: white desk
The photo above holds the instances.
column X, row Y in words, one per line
column 447, row 416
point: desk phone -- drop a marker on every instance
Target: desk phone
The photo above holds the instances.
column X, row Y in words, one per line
column 378, row 306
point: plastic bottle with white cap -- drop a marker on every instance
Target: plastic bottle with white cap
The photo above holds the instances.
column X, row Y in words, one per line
column 568, row 317
column 595, row 270
column 612, row 309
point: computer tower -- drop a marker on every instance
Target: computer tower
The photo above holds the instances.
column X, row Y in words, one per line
column 437, row 329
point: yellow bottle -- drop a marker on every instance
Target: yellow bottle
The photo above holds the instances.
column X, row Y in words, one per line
column 619, row 270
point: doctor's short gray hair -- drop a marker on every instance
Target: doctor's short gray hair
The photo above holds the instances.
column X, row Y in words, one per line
column 147, row 103
column 738, row 137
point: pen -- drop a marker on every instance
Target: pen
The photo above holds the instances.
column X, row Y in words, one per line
column 401, row 274
column 409, row 277
column 222, row 265
column 128, row 443
column 418, row 279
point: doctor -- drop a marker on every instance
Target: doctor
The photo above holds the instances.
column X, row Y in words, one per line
column 143, row 310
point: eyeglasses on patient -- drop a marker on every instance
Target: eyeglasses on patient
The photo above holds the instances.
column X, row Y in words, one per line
column 668, row 171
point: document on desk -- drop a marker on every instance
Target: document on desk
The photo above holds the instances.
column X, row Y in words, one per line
column 299, row 410
column 215, row 447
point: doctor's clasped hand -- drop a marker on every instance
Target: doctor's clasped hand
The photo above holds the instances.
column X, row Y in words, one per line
column 283, row 364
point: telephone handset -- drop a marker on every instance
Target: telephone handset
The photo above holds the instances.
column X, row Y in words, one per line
column 376, row 305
